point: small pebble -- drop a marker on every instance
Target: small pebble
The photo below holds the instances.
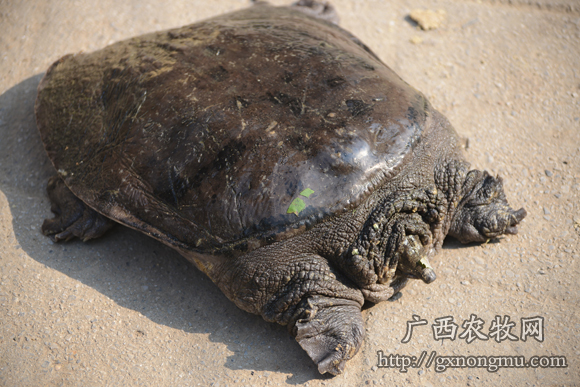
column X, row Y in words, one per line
column 416, row 40
column 428, row 19
column 548, row 173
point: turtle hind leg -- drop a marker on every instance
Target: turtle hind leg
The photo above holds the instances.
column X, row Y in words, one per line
column 319, row 9
column 72, row 217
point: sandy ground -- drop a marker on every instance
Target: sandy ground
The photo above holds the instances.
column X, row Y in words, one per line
column 125, row 310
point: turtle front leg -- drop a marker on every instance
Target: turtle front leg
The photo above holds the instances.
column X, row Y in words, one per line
column 72, row 217
column 321, row 307
column 330, row 330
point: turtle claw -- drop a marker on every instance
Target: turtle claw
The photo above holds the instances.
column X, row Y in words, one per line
column 72, row 217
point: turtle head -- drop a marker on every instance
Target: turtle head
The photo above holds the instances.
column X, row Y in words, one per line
column 413, row 260
column 483, row 212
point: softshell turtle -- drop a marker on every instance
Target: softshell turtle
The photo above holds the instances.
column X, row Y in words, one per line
column 276, row 152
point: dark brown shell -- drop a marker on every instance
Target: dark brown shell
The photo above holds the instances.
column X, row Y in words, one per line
column 203, row 136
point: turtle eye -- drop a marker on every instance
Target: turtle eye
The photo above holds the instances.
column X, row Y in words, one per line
column 490, row 190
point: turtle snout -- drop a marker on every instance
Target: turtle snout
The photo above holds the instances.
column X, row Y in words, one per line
column 520, row 215
column 515, row 218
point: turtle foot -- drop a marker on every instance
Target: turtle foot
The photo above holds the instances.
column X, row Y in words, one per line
column 320, row 9
column 72, row 217
column 330, row 331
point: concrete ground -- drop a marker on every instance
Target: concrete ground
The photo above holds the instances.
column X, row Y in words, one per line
column 125, row 310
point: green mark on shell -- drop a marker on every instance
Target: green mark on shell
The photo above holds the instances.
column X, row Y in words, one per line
column 296, row 206
column 307, row 192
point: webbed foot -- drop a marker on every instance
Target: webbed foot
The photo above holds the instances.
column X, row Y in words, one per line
column 72, row 217
column 330, row 330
